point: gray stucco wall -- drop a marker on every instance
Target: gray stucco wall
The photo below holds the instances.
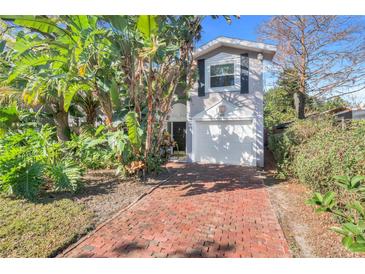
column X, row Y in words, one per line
column 251, row 102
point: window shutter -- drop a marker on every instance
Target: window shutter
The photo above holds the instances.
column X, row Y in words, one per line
column 201, row 81
column 244, row 72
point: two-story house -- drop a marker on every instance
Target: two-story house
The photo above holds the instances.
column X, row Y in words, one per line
column 222, row 121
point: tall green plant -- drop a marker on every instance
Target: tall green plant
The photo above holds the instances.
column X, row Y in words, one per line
column 135, row 132
column 351, row 215
column 21, row 165
column 30, row 158
column 66, row 175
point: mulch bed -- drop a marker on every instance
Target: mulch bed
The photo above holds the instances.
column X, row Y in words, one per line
column 306, row 231
column 105, row 193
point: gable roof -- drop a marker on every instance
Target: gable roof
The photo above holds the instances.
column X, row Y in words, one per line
column 268, row 50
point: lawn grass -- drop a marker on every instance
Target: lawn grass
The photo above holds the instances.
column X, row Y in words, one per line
column 40, row 229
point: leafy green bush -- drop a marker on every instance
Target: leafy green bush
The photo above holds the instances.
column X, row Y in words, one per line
column 65, row 175
column 284, row 145
column 21, row 165
column 102, row 148
column 330, row 152
column 351, row 215
column 20, row 173
column 314, row 151
column 278, row 107
column 28, row 158
column 8, row 116
column 90, row 149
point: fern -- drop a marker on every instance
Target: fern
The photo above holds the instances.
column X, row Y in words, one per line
column 65, row 175
column 20, row 172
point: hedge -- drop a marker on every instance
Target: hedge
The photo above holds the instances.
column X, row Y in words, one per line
column 314, row 151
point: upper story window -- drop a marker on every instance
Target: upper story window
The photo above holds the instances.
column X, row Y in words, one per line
column 222, row 75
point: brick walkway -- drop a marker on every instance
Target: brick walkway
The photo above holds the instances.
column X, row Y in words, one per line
column 202, row 211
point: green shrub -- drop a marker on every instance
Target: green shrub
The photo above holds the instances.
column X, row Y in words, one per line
column 350, row 215
column 8, row 116
column 314, row 151
column 90, row 149
column 21, row 165
column 28, row 158
column 65, row 175
column 278, row 107
column 284, row 145
column 280, row 144
column 330, row 152
column 20, row 174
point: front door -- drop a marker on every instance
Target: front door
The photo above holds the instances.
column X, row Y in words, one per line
column 179, row 135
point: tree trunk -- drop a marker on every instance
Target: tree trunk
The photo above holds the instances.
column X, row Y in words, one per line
column 299, row 97
column 299, row 103
column 106, row 106
column 63, row 129
column 165, row 112
column 91, row 116
column 150, row 120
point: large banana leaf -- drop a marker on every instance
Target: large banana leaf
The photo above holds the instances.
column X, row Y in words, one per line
column 32, row 61
column 119, row 23
column 134, row 130
column 71, row 91
column 41, row 24
column 147, row 26
column 114, row 95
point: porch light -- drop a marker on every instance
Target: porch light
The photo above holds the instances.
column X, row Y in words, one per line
column 260, row 57
column 222, row 110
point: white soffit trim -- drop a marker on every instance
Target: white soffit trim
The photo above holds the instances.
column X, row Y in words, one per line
column 268, row 50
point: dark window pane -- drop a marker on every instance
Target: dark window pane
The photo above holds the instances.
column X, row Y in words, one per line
column 224, row 69
column 222, row 81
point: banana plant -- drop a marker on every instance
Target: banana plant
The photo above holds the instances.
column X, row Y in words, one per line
column 135, row 132
column 41, row 61
column 71, row 53
column 148, row 28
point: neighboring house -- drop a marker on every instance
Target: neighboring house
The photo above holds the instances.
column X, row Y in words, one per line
column 222, row 121
column 351, row 114
column 341, row 114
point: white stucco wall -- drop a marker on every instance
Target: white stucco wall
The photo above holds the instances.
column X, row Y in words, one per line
column 251, row 104
column 358, row 114
column 177, row 113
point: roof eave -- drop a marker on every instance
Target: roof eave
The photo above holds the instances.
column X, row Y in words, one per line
column 268, row 50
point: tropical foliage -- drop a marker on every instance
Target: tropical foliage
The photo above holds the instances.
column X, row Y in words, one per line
column 351, row 215
column 314, row 151
column 79, row 92
column 30, row 158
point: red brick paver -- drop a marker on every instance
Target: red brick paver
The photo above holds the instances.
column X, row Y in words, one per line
column 201, row 211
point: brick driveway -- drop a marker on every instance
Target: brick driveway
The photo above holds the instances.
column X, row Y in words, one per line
column 201, row 211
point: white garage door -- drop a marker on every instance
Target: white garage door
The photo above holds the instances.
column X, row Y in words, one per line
column 224, row 142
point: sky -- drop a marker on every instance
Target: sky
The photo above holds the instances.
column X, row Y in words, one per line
column 246, row 28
